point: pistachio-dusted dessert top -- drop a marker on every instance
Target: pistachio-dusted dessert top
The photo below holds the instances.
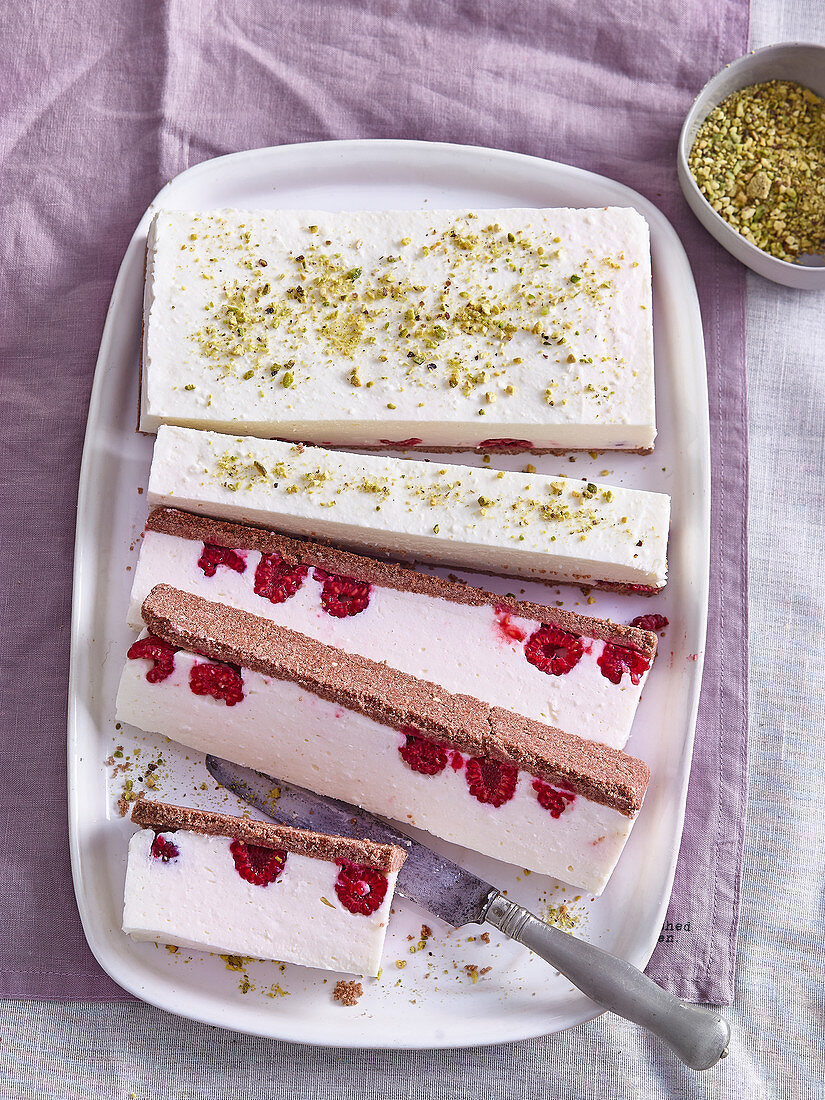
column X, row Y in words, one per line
column 551, row 528
column 489, row 324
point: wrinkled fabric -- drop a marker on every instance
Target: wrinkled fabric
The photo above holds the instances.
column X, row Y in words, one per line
column 103, row 103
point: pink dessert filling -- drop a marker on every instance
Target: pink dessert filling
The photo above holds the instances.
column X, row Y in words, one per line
column 554, row 650
column 275, row 580
column 554, row 799
column 504, row 445
column 218, row 680
column 359, row 888
column 342, row 596
column 491, row 781
column 163, row 849
column 257, row 864
column 615, row 660
column 213, row 556
column 156, row 650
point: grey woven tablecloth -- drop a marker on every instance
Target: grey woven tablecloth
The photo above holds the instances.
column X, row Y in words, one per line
column 107, row 1051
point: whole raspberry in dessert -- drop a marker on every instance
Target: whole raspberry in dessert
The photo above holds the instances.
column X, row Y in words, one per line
column 220, row 681
column 504, row 445
column 342, row 596
column 277, row 580
column 164, row 849
column 508, row 630
column 552, row 798
column 413, row 441
column 650, row 622
column 422, row 755
column 155, row 649
column 617, row 659
column 360, row 889
column 491, row 781
column 257, row 864
column 213, row 556
column 553, row 650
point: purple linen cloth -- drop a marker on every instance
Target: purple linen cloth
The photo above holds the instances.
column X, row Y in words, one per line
column 102, row 104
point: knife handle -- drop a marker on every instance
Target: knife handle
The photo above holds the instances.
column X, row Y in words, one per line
column 699, row 1037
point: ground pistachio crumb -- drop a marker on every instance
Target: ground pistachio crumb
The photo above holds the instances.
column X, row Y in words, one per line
column 759, row 160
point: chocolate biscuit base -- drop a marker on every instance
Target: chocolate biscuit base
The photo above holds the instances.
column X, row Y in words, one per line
column 395, row 698
column 163, row 817
column 389, row 574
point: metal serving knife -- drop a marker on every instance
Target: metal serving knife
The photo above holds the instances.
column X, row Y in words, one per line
column 699, row 1037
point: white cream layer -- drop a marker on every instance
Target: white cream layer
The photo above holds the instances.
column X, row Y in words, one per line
column 298, row 737
column 528, row 525
column 198, row 900
column 466, row 649
column 396, row 325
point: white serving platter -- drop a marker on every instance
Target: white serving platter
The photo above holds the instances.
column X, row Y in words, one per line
column 433, row 1000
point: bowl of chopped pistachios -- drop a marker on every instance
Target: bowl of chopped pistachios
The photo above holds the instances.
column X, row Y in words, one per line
column 751, row 162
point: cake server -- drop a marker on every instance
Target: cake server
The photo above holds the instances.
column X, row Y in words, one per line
column 699, row 1037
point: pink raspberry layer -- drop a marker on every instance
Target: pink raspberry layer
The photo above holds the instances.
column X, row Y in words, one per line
column 553, row 650
column 653, row 622
column 360, row 889
column 504, row 445
column 615, row 660
column 154, row 649
column 507, row 630
column 553, row 799
column 342, row 597
column 490, row 781
column 163, row 849
column 222, row 682
column 213, row 556
column 423, row 755
column 255, row 864
column 276, row 580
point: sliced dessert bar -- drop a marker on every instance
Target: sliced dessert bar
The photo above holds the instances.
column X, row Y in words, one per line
column 572, row 671
column 212, row 882
column 227, row 682
column 528, row 525
column 515, row 329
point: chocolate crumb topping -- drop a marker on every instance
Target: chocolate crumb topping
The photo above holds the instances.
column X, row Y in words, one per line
column 347, row 993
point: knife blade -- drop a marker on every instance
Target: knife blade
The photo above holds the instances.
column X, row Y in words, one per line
column 430, row 880
column 699, row 1037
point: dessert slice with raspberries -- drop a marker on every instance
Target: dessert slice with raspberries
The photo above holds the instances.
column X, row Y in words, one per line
column 572, row 671
column 224, row 681
column 544, row 528
column 212, row 882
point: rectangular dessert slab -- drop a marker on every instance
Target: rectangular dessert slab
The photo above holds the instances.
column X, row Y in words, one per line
column 273, row 699
column 581, row 674
column 527, row 525
column 521, row 329
column 211, row 882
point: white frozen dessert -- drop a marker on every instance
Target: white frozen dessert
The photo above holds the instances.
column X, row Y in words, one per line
column 521, row 329
column 578, row 673
column 528, row 525
column 227, row 682
column 212, row 882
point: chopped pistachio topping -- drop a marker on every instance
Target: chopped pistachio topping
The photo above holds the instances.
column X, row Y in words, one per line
column 574, row 507
column 451, row 333
column 759, row 160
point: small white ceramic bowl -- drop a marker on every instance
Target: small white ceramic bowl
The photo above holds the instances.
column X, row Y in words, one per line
column 799, row 61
